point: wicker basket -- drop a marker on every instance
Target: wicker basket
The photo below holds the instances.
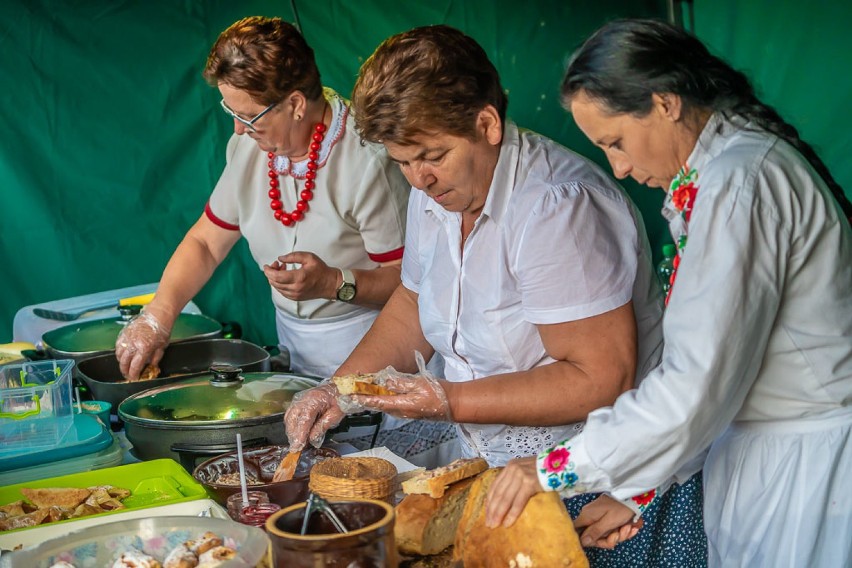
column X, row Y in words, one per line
column 360, row 478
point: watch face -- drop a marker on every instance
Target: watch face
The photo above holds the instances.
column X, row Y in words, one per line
column 346, row 293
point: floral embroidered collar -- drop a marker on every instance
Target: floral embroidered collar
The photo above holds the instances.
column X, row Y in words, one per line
column 682, row 193
column 683, row 190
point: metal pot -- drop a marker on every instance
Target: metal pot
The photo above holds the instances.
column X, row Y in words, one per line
column 200, row 417
column 96, row 337
column 181, row 361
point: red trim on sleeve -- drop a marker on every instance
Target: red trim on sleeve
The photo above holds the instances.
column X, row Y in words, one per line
column 387, row 256
column 219, row 222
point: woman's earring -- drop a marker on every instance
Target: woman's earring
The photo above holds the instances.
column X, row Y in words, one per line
column 298, row 117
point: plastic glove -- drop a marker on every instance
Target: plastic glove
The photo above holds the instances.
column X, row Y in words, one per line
column 142, row 342
column 417, row 396
column 311, row 414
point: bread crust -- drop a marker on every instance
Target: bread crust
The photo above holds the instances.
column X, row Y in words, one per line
column 435, row 481
column 542, row 537
column 426, row 526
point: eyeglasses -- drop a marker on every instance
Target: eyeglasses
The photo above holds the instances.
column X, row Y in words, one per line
column 247, row 123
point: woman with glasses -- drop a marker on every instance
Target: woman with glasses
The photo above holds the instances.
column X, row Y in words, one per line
column 323, row 214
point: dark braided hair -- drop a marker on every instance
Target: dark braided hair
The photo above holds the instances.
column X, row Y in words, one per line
column 626, row 61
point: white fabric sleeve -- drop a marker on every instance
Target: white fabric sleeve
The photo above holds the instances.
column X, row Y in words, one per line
column 576, row 256
column 224, row 201
column 411, row 272
column 716, row 327
column 382, row 193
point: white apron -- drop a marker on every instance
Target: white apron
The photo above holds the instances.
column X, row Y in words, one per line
column 779, row 493
column 319, row 346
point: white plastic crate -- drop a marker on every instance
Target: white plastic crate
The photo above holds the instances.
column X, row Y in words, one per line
column 36, row 407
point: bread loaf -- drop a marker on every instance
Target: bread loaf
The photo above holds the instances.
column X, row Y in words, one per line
column 434, row 481
column 542, row 537
column 425, row 525
column 359, row 384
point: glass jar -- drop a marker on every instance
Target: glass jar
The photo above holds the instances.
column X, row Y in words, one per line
column 256, row 512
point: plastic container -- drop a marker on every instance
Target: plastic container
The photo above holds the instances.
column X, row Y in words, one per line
column 37, row 535
column 665, row 269
column 157, row 536
column 35, row 404
column 152, row 483
column 86, row 436
column 111, row 456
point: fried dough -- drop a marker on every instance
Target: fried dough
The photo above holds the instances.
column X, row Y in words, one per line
column 68, row 497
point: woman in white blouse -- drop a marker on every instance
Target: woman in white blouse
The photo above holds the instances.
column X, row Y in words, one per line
column 526, row 268
column 757, row 364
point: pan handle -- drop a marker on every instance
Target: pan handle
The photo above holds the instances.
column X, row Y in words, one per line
column 189, row 453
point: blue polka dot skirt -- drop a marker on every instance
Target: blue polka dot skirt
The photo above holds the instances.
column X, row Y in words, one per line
column 673, row 534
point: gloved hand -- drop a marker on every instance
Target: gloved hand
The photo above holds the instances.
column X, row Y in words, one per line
column 142, row 341
column 311, row 414
column 417, row 396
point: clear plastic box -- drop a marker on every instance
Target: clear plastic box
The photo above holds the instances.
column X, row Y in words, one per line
column 36, row 408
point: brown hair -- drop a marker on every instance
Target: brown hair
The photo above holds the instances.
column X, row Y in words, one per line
column 426, row 80
column 265, row 57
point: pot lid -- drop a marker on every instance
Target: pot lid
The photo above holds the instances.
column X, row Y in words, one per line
column 248, row 398
column 100, row 335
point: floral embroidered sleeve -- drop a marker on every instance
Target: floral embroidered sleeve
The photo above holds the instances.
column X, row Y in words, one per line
column 557, row 472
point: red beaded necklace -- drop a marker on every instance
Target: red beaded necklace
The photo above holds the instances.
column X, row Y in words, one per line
column 307, row 194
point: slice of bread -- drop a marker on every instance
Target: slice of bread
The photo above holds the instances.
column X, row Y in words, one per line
column 434, row 481
column 359, row 384
column 426, row 526
column 543, row 536
column 68, row 497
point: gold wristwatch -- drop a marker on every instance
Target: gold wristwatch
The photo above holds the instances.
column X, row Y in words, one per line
column 346, row 291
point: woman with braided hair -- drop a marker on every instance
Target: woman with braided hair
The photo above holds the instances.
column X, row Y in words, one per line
column 755, row 381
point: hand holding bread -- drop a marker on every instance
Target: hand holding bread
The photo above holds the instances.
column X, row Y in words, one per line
column 516, row 484
column 412, row 396
column 446, row 506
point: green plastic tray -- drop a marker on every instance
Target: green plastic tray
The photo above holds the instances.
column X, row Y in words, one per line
column 151, row 483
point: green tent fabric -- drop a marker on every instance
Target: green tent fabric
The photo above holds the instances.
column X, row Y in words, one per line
column 112, row 141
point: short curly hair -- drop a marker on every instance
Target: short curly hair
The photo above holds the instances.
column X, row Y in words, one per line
column 267, row 58
column 426, row 80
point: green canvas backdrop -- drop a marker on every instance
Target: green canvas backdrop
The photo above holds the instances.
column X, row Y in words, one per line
column 112, row 141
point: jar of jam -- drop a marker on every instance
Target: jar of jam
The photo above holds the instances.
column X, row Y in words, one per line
column 255, row 512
